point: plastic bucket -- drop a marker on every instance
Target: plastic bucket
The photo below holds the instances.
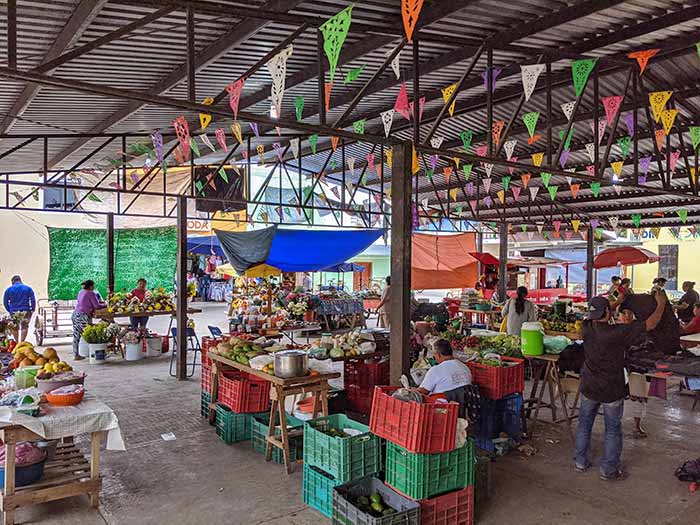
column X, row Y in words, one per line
column 532, row 338
column 83, row 348
column 98, row 353
column 133, row 351
column 154, row 346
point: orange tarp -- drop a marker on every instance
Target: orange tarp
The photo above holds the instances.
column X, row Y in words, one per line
column 443, row 261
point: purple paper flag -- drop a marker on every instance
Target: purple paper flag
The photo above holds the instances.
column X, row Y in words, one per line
column 628, row 119
column 642, row 179
column 433, row 161
column 564, row 157
column 644, row 163
column 488, row 201
column 470, row 188
column 278, row 149
column 254, row 127
column 595, row 223
column 495, row 72
column 157, row 139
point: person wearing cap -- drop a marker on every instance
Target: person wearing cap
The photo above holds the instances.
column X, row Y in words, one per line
column 603, row 381
column 685, row 305
column 20, row 303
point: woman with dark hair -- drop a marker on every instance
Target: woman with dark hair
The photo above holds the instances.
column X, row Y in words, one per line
column 519, row 310
column 85, row 306
column 383, row 307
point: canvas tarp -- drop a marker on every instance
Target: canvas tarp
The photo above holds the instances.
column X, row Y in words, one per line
column 442, row 261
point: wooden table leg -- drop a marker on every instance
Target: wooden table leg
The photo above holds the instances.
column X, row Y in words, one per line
column 557, row 381
column 536, row 369
column 539, row 400
column 324, row 399
column 215, row 371
column 284, row 437
column 8, row 517
column 271, row 428
column 95, row 439
column 549, row 379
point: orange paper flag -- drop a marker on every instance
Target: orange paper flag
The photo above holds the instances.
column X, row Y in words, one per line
column 334, row 142
column 533, row 139
column 410, row 11
column 327, row 91
column 496, row 130
column 415, row 164
column 448, row 173
column 642, row 57
column 660, row 138
column 525, row 178
column 574, row 189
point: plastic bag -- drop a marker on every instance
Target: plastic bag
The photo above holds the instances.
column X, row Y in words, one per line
column 461, row 436
column 555, row 344
column 259, row 362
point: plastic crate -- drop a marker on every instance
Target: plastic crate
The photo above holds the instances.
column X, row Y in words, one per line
column 230, row 426
column 425, row 428
column 346, row 513
column 453, row 508
column 243, row 393
column 509, row 416
column 366, row 373
column 344, row 458
column 360, row 399
column 421, row 476
column 484, row 480
column 207, row 344
column 495, row 417
column 260, row 425
column 496, row 382
column 204, row 404
column 206, row 378
column 317, row 490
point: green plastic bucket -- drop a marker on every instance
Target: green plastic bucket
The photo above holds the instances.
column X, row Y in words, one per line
column 532, row 338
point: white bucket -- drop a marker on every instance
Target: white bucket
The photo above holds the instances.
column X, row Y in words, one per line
column 154, row 346
column 133, row 351
column 83, row 348
column 98, row 353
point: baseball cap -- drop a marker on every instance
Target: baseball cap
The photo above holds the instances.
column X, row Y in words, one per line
column 597, row 307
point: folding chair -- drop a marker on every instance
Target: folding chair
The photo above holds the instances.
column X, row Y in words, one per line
column 215, row 331
column 192, row 346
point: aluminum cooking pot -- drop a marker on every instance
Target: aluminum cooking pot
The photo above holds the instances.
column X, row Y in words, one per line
column 291, row 363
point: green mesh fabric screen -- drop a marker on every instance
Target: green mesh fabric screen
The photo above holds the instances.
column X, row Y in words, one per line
column 78, row 254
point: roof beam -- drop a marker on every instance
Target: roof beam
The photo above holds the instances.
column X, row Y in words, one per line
column 242, row 31
column 80, row 19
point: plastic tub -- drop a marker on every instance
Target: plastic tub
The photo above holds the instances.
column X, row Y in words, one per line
column 83, row 348
column 98, row 353
column 25, row 474
column 133, row 351
column 532, row 337
column 47, row 385
column 154, row 346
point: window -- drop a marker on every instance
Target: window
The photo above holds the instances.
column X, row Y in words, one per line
column 53, row 198
column 668, row 265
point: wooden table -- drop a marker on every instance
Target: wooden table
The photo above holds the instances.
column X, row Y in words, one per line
column 473, row 316
column 552, row 382
column 281, row 388
column 289, row 332
column 68, row 474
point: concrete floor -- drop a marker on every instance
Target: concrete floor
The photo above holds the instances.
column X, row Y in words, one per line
column 197, row 479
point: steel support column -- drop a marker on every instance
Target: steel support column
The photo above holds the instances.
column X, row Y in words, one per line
column 503, row 259
column 590, row 253
column 181, row 281
column 401, row 228
column 479, row 248
column 110, row 254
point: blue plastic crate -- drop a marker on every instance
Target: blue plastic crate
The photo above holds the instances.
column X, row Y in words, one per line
column 509, row 413
column 496, row 416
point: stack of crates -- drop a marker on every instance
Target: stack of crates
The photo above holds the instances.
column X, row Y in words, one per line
column 497, row 416
column 260, row 423
column 360, row 376
column 337, row 450
column 207, row 344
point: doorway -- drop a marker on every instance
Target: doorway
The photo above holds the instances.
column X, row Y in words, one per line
column 362, row 279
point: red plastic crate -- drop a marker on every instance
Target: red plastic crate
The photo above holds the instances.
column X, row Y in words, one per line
column 424, row 428
column 496, row 382
column 368, row 374
column 207, row 344
column 453, row 508
column 206, row 378
column 360, row 399
column 243, row 393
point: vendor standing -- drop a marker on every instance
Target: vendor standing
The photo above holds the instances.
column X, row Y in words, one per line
column 519, row 310
column 140, row 293
column 383, row 306
column 448, row 375
column 603, row 381
column 85, row 307
column 20, row 303
column 685, row 305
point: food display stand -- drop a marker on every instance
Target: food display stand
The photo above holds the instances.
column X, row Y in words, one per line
column 346, row 311
column 317, row 385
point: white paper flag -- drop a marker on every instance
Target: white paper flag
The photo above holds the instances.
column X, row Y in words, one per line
column 207, row 142
column 277, row 67
column 613, row 222
column 424, row 203
column 436, row 142
column 590, row 149
column 617, row 188
column 530, row 235
column 388, row 120
column 509, row 148
column 487, row 184
column 602, row 124
column 488, row 167
column 530, row 75
column 351, row 165
column 294, row 144
column 569, row 180
column 540, row 227
column 568, row 109
column 533, row 191
column 396, row 65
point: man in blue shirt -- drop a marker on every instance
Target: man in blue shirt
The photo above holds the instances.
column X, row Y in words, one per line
column 20, row 303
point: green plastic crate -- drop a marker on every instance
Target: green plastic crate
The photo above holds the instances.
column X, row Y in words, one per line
column 230, row 426
column 259, row 426
column 484, row 480
column 345, row 458
column 204, row 406
column 421, row 476
column 317, row 490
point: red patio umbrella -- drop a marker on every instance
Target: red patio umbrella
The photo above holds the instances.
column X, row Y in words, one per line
column 623, row 255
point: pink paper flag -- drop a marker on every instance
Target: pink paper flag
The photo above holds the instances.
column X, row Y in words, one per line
column 401, row 105
column 221, row 138
column 511, row 169
column 557, row 225
column 487, row 184
column 590, row 169
column 601, row 129
column 516, row 192
column 481, row 150
column 234, row 90
column 370, row 159
column 612, row 106
column 473, row 204
column 675, row 155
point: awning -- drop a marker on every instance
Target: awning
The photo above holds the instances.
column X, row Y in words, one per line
column 485, row 258
column 443, row 261
column 624, row 256
column 345, row 267
column 293, row 250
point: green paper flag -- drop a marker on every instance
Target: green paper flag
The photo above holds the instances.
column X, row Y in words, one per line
column 506, row 182
column 599, row 233
column 91, row 196
column 580, row 70
column 568, row 139
column 546, row 177
column 683, row 214
column 195, row 148
column 697, row 46
column 459, row 209
column 352, row 75
column 313, row 140
column 624, row 143
column 299, row 107
column 198, row 185
column 429, row 174
column 530, row 120
column 223, row 175
column 695, row 136
column 523, row 227
column 334, row 31
column 359, row 126
column 595, row 188
column 333, row 164
column 636, row 220
column 466, row 137
column 467, row 169
column 552, row 192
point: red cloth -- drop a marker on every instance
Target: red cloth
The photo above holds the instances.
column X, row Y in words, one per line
column 139, row 293
column 693, row 327
column 443, row 261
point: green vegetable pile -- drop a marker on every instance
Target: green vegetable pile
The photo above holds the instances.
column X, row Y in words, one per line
column 374, row 505
column 505, row 345
column 335, row 432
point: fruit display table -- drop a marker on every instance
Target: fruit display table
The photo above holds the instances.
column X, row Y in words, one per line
column 69, row 473
column 316, row 385
column 110, row 316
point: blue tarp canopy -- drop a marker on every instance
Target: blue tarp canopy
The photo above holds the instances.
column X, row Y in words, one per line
column 288, row 250
column 204, row 245
column 344, row 267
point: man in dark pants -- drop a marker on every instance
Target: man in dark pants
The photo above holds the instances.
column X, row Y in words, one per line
column 603, row 381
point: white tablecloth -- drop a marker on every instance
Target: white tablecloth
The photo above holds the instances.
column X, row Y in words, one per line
column 91, row 415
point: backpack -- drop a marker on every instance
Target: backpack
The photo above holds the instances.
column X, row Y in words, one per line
column 689, row 471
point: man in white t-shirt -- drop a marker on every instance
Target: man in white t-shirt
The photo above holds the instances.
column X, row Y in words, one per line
column 449, row 374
